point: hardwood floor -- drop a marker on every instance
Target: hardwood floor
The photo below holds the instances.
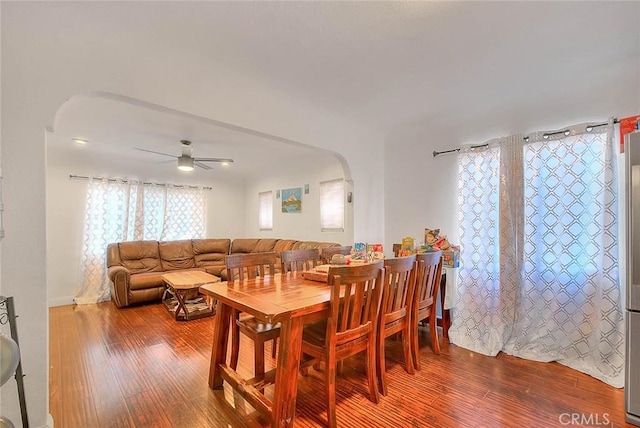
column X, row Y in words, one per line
column 138, row 367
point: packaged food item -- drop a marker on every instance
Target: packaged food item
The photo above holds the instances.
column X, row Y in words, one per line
column 451, row 258
column 431, row 236
column 359, row 251
column 408, row 246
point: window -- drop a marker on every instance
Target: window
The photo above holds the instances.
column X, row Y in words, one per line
column 118, row 210
column 265, row 210
column 332, row 205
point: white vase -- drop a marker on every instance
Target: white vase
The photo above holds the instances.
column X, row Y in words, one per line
column 9, row 358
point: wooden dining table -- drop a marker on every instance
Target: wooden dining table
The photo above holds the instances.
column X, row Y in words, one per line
column 288, row 299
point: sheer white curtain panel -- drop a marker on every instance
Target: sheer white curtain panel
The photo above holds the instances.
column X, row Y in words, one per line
column 539, row 251
column 106, row 220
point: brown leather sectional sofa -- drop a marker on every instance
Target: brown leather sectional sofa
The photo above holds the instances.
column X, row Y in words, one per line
column 135, row 268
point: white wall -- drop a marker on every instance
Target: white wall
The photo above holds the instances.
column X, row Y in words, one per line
column 304, row 225
column 66, row 208
column 420, row 193
column 44, row 62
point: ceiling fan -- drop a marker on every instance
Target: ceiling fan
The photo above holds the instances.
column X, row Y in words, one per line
column 186, row 162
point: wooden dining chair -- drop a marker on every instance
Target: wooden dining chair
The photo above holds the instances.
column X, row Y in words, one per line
column 328, row 252
column 350, row 328
column 249, row 266
column 424, row 303
column 395, row 312
column 299, row 260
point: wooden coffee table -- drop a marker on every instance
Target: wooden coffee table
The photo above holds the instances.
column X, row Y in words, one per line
column 185, row 285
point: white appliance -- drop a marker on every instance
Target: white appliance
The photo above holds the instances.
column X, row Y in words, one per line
column 632, row 381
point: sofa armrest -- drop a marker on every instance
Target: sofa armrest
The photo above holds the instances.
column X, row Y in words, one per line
column 120, row 278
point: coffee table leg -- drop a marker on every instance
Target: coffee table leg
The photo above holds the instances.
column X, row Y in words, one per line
column 181, row 305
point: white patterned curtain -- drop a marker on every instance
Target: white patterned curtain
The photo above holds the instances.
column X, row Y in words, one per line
column 184, row 213
column 557, row 294
column 128, row 211
column 478, row 323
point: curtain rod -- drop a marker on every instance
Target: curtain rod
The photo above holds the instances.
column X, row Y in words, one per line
column 184, row 186
column 589, row 128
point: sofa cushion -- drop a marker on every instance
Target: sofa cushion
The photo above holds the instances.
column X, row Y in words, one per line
column 140, row 256
column 284, row 245
column 244, row 245
column 152, row 279
column 210, row 250
column 265, row 246
column 209, row 254
column 146, row 280
column 176, row 255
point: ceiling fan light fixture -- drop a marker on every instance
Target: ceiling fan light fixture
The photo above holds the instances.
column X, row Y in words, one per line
column 185, row 163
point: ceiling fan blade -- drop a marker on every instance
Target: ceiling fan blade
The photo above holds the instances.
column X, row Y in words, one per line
column 202, row 165
column 213, row 160
column 151, row 151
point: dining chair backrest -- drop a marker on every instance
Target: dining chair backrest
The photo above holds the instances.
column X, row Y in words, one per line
column 299, row 260
column 248, row 266
column 328, row 252
column 353, row 315
column 399, row 290
column 396, row 312
column 428, row 280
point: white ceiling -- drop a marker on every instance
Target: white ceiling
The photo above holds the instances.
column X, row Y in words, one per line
column 116, row 126
column 385, row 66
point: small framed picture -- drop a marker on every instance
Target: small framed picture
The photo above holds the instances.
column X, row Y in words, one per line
column 292, row 200
column 306, row 189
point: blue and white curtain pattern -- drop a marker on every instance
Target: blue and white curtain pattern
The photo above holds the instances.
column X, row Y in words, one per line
column 125, row 211
column 539, row 277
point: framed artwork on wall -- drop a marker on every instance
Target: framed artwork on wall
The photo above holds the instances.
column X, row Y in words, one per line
column 292, row 200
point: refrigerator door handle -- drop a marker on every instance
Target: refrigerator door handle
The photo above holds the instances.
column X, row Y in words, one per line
column 633, row 293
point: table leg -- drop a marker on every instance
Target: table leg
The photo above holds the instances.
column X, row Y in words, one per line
column 220, row 340
column 181, row 305
column 446, row 314
column 289, row 353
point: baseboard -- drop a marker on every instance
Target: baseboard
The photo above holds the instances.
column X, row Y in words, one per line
column 60, row 301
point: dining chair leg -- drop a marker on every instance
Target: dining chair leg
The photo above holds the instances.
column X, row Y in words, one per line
column 380, row 363
column 235, row 340
column 259, row 357
column 406, row 347
column 433, row 328
column 414, row 345
column 371, row 371
column 274, row 347
column 330, row 389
